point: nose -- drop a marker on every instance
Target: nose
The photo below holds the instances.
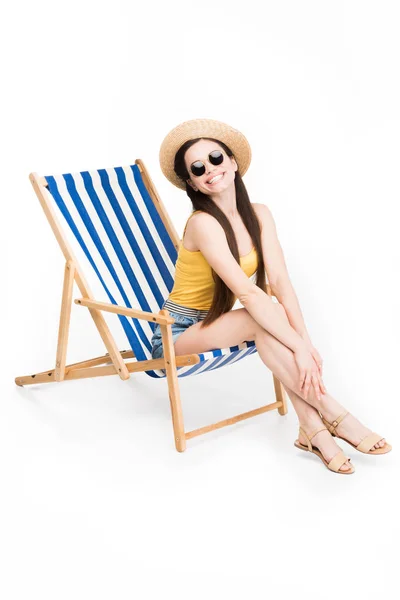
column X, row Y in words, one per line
column 210, row 167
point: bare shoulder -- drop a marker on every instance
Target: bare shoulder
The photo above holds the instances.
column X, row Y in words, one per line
column 265, row 217
column 206, row 230
column 264, row 214
column 201, row 217
column 210, row 239
column 204, row 222
column 197, row 223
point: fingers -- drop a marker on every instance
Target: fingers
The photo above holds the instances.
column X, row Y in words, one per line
column 321, row 384
column 302, row 378
column 318, row 360
column 307, row 383
column 317, row 383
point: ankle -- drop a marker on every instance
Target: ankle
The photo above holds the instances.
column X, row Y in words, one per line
column 329, row 407
column 310, row 422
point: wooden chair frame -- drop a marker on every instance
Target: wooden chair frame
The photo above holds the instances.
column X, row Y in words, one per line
column 115, row 358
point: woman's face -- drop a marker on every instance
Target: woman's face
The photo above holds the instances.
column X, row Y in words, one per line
column 200, row 151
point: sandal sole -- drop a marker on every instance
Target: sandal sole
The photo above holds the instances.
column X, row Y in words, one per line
column 319, row 454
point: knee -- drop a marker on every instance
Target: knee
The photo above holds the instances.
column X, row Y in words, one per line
column 253, row 328
column 258, row 330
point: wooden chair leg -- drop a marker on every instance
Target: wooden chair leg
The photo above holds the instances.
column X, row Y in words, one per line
column 65, row 316
column 173, row 385
column 280, row 394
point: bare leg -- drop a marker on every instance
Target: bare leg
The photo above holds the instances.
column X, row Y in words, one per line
column 350, row 427
column 280, row 360
column 237, row 325
column 310, row 420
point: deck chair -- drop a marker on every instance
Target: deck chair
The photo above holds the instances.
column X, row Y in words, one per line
column 116, row 236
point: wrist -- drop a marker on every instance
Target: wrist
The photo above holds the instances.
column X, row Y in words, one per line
column 304, row 336
column 299, row 345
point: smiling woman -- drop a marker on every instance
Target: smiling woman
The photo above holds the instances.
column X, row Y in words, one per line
column 226, row 240
column 210, row 172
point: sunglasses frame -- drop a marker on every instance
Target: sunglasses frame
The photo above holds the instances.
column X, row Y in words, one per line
column 209, row 159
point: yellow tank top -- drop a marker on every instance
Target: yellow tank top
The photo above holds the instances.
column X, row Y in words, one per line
column 193, row 283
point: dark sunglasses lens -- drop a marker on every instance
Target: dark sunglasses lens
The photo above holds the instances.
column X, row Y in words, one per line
column 216, row 157
column 198, row 168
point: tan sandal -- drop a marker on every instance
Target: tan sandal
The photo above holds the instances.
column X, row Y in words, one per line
column 335, row 463
column 366, row 443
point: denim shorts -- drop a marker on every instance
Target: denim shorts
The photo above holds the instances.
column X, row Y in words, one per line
column 184, row 318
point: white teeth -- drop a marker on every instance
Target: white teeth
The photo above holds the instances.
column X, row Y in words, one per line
column 216, row 178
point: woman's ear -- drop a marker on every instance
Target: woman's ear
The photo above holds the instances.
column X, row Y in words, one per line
column 234, row 163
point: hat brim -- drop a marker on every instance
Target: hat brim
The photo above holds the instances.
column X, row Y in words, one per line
column 198, row 128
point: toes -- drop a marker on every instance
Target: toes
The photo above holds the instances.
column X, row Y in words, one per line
column 346, row 466
column 379, row 444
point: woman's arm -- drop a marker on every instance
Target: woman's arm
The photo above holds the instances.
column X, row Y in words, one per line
column 263, row 310
column 278, row 276
column 211, row 240
column 288, row 298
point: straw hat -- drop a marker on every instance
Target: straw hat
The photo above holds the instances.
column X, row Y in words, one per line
column 197, row 128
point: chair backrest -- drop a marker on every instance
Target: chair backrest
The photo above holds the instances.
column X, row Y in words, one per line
column 120, row 240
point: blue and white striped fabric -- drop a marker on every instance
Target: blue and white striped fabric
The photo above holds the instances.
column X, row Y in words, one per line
column 126, row 253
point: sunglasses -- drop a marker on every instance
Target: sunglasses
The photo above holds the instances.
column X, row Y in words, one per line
column 198, row 167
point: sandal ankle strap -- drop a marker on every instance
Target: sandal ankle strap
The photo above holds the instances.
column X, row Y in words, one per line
column 332, row 426
column 309, row 437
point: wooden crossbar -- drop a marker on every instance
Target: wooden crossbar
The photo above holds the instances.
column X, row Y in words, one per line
column 232, row 420
column 90, row 368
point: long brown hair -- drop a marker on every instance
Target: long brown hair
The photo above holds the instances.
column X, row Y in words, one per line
column 224, row 298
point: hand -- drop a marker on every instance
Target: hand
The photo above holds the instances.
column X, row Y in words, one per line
column 309, row 372
column 315, row 355
column 313, row 350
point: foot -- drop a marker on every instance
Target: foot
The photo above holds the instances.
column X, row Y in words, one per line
column 323, row 440
column 351, row 428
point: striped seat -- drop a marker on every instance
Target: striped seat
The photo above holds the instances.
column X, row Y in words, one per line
column 123, row 244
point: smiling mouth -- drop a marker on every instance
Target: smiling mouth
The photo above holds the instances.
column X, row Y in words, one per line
column 219, row 178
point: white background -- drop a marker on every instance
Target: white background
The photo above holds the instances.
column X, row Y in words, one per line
column 95, row 500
